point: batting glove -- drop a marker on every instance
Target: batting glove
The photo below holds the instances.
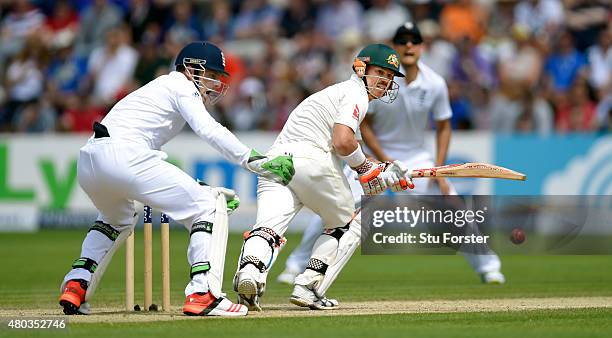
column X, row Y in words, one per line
column 369, row 177
column 397, row 176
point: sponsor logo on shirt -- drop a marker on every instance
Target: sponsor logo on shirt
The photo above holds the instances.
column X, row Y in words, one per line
column 356, row 113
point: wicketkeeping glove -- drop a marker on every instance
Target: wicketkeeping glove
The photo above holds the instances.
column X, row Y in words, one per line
column 278, row 169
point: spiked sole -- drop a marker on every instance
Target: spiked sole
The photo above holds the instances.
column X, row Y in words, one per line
column 247, row 291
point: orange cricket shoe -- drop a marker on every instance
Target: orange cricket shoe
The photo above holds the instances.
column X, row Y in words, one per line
column 205, row 304
column 73, row 295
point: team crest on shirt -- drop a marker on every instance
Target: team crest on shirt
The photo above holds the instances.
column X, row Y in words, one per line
column 392, row 60
column 196, row 94
column 356, row 113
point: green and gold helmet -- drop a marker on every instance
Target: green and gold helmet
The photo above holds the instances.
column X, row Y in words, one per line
column 382, row 56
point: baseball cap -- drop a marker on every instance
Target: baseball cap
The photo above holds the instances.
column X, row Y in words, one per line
column 407, row 32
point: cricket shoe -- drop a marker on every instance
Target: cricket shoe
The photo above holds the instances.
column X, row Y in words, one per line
column 288, row 276
column 493, row 277
column 305, row 297
column 248, row 290
column 205, row 304
column 73, row 295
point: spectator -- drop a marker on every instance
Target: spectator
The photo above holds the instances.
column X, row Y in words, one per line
column 383, row 18
column 35, row 117
column 151, row 63
column 298, row 16
column 585, row 20
column 604, row 111
column 471, row 67
column 521, row 65
column 221, row 24
column 563, row 66
column 23, row 21
column 461, row 107
column 80, row 115
column 111, row 67
column 251, row 106
column 184, row 25
column 539, row 16
column 96, row 21
column 537, row 114
column 576, row 111
column 437, row 53
column 505, row 108
column 338, row 17
column 66, row 72
column 144, row 19
column 256, row 19
column 63, row 19
column 24, row 79
column 461, row 19
column 600, row 61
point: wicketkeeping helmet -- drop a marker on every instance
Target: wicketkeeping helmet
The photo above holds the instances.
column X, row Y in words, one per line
column 382, row 56
column 199, row 57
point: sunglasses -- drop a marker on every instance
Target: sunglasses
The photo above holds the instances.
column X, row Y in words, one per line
column 404, row 39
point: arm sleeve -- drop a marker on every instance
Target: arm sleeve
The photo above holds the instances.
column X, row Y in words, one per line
column 195, row 114
column 441, row 106
column 349, row 111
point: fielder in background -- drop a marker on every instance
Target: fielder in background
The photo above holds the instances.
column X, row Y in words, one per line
column 321, row 134
column 397, row 131
column 121, row 163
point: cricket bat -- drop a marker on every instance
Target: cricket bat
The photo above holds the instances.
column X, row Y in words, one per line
column 481, row 170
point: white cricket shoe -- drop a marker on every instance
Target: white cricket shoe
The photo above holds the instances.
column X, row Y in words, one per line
column 288, row 276
column 248, row 289
column 304, row 297
column 493, row 277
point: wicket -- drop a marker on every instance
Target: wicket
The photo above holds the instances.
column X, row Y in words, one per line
column 148, row 264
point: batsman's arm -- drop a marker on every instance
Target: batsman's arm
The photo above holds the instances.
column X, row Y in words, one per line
column 370, row 139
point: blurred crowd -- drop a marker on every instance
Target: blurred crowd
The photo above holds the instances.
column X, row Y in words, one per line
column 523, row 66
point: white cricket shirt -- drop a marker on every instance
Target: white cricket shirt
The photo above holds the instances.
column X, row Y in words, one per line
column 156, row 112
column 313, row 120
column 400, row 126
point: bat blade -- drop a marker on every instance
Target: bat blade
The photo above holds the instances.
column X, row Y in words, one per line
column 481, row 170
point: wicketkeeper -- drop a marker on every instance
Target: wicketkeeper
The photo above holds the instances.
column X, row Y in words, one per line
column 122, row 163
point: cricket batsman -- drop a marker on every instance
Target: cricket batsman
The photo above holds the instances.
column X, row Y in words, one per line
column 397, row 131
column 321, row 134
column 122, row 163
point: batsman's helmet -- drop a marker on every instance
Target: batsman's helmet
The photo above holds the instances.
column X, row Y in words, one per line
column 382, row 56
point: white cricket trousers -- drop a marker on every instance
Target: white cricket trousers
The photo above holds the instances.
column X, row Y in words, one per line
column 115, row 173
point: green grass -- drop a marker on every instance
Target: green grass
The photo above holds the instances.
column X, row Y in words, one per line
column 34, row 265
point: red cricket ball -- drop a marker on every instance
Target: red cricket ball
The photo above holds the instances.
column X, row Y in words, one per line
column 517, row 236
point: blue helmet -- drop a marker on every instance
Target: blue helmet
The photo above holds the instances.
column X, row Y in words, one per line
column 204, row 53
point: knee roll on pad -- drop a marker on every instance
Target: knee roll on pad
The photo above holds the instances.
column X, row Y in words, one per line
column 198, row 268
column 317, row 265
column 252, row 260
column 85, row 263
column 273, row 239
column 106, row 229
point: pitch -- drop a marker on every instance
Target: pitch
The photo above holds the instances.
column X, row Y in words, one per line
column 381, row 296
